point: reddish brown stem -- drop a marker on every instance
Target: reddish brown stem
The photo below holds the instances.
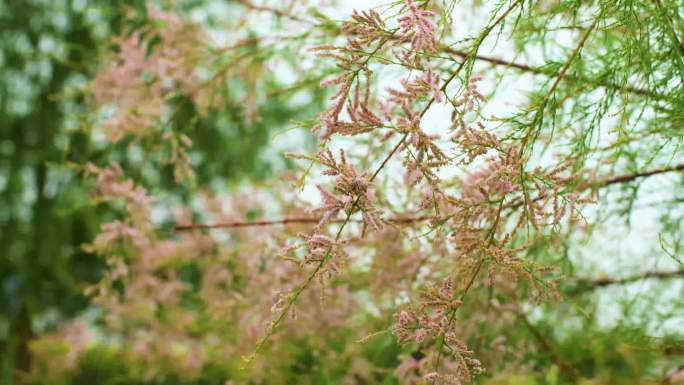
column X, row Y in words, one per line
column 538, row 71
column 584, row 285
column 631, row 177
column 285, row 221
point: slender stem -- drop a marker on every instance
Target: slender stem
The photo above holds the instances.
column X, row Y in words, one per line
column 452, row 315
column 561, row 74
column 293, row 296
column 673, row 36
column 473, row 276
column 572, row 58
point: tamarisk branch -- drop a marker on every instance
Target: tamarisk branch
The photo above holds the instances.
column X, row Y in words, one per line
column 408, row 220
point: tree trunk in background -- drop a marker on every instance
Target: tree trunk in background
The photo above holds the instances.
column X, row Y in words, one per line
column 22, row 354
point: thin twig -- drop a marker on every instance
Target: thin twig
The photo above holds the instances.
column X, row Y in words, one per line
column 539, row 71
column 538, row 116
column 277, row 12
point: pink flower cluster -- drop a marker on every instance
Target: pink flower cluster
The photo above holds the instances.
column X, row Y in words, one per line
column 418, row 28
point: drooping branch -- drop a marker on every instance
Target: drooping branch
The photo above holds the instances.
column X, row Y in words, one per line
column 406, row 220
column 631, row 177
column 584, row 285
